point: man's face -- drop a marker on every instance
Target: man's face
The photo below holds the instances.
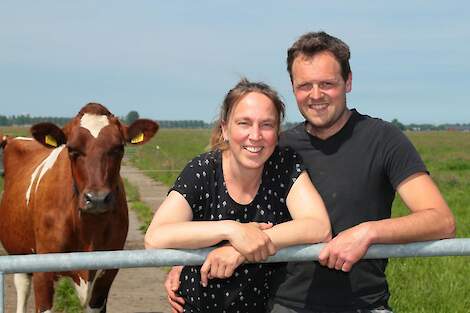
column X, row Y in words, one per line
column 320, row 91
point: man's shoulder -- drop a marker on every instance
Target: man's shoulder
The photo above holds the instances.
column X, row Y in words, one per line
column 372, row 125
column 296, row 131
column 297, row 128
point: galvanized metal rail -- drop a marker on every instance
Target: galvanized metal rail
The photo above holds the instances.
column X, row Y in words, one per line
column 166, row 257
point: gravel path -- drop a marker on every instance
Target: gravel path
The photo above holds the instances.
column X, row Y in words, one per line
column 137, row 290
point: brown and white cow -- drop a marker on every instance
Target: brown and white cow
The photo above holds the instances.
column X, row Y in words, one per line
column 63, row 193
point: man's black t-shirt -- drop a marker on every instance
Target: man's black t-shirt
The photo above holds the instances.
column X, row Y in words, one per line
column 356, row 171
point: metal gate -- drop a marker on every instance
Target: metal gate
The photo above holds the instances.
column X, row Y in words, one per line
column 167, row 257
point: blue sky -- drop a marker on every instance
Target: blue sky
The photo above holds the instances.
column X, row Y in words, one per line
column 177, row 59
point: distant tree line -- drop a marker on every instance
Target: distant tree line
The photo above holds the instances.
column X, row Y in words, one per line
column 428, row 127
column 184, row 124
column 26, row 119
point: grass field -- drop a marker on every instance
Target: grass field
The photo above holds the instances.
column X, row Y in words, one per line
column 438, row 284
column 418, row 285
column 168, row 152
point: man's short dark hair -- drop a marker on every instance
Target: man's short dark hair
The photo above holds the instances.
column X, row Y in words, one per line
column 312, row 43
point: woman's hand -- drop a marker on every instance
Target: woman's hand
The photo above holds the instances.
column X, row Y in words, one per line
column 172, row 283
column 250, row 240
column 220, row 263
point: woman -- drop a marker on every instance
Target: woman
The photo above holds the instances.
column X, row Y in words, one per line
column 247, row 196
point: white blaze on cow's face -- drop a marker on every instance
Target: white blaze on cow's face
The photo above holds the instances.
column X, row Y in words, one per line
column 94, row 123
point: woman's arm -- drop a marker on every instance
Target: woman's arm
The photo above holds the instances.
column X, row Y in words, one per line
column 310, row 222
column 172, row 227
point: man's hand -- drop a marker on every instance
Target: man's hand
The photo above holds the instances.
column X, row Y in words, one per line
column 250, row 240
column 344, row 250
column 172, row 284
column 220, row 263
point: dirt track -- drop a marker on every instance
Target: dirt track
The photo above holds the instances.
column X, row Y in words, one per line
column 137, row 290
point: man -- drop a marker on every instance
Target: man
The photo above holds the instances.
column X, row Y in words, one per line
column 357, row 163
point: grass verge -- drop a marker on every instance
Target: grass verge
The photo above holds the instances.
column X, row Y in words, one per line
column 65, row 297
column 143, row 211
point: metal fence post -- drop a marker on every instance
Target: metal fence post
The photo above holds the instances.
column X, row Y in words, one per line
column 2, row 294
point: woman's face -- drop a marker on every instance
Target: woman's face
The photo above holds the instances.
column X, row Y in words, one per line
column 252, row 130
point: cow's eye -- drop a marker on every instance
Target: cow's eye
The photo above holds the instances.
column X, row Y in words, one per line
column 74, row 153
column 118, row 150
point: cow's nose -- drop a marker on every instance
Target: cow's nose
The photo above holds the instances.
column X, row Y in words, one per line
column 97, row 201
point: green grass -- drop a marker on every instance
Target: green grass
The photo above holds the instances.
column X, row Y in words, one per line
column 143, row 211
column 437, row 284
column 144, row 214
column 15, row 131
column 168, row 152
column 65, row 297
column 132, row 192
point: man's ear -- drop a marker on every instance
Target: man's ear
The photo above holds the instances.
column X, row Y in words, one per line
column 48, row 134
column 141, row 131
column 349, row 83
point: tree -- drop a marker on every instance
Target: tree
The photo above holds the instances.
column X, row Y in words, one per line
column 131, row 117
column 4, row 120
column 398, row 124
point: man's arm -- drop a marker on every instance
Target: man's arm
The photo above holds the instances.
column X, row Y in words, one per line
column 430, row 218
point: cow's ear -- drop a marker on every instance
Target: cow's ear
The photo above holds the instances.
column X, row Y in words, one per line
column 3, row 141
column 141, row 131
column 48, row 134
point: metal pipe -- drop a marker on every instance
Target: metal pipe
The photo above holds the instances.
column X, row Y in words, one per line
column 2, row 293
column 166, row 257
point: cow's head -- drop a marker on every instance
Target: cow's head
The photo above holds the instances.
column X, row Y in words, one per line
column 95, row 141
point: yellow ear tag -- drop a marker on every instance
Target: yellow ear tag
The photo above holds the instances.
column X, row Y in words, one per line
column 138, row 138
column 51, row 141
